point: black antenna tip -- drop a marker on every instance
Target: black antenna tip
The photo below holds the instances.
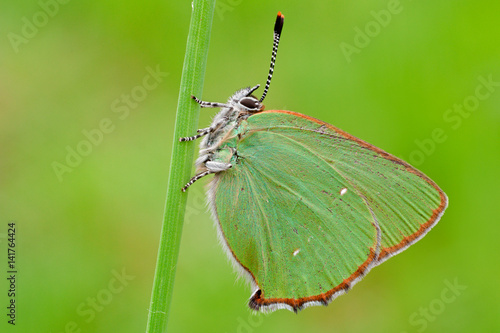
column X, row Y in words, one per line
column 279, row 23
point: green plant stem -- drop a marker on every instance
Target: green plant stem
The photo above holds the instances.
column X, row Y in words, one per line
column 186, row 123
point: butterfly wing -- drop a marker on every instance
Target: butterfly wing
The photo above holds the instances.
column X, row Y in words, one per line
column 307, row 209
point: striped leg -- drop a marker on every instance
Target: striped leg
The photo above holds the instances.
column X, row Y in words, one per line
column 195, row 178
column 213, row 167
column 205, row 131
column 201, row 132
column 210, row 104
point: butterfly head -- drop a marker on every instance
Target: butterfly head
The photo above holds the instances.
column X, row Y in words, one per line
column 244, row 101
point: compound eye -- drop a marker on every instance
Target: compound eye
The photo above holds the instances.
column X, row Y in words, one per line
column 250, row 103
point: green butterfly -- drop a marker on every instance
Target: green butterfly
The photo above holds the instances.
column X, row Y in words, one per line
column 304, row 210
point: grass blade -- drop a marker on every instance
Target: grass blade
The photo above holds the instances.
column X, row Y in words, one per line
column 186, row 123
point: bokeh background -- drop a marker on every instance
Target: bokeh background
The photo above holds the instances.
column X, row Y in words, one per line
column 67, row 69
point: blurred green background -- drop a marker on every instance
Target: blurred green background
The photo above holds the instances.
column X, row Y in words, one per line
column 412, row 84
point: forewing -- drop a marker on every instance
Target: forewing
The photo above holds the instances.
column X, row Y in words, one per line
column 406, row 203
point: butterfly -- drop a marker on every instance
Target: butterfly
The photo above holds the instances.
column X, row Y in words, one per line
column 303, row 209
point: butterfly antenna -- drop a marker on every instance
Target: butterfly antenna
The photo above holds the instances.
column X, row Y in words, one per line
column 277, row 33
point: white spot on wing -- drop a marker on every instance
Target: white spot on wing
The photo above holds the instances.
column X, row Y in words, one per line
column 343, row 191
column 296, row 252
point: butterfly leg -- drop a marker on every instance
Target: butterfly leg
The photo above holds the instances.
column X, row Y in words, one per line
column 195, row 178
column 201, row 132
column 204, row 104
column 213, row 167
column 205, row 131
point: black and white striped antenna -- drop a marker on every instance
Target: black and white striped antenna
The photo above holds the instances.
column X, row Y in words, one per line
column 277, row 33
